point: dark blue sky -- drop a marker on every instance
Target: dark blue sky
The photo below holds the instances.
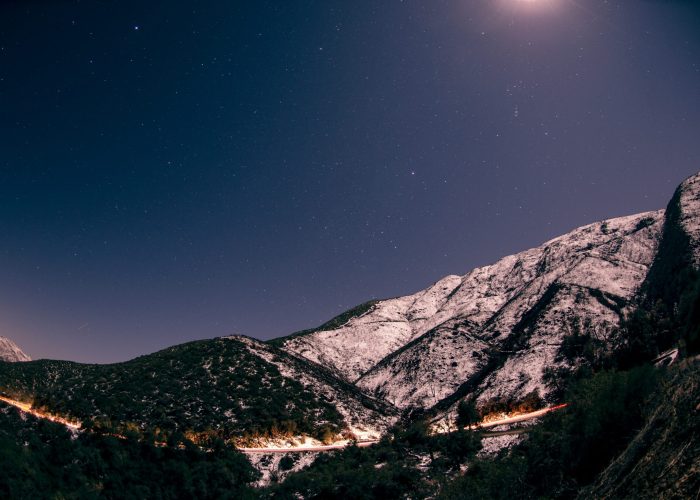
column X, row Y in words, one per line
column 170, row 173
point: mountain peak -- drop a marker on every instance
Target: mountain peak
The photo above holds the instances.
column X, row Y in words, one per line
column 9, row 351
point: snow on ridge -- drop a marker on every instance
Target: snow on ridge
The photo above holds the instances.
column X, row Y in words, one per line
column 610, row 256
column 604, row 255
column 428, row 371
column 417, row 350
column 363, row 341
column 9, row 351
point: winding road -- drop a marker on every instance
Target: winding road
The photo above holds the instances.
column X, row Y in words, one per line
column 27, row 408
column 362, row 444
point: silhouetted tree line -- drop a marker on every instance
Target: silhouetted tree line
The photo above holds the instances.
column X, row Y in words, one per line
column 569, row 448
column 40, row 459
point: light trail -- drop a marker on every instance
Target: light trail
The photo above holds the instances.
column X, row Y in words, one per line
column 518, row 418
column 310, row 449
column 27, row 408
column 333, row 447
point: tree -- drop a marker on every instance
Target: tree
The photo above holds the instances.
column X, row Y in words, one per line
column 467, row 414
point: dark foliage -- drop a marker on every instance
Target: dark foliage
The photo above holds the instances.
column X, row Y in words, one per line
column 530, row 402
column 645, row 222
column 669, row 312
column 467, row 414
column 41, row 459
column 570, row 448
column 663, row 459
column 196, row 387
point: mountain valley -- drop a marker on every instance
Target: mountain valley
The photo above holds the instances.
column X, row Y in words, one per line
column 515, row 335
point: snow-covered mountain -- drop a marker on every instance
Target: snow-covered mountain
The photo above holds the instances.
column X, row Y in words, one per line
column 9, row 351
column 498, row 334
column 495, row 332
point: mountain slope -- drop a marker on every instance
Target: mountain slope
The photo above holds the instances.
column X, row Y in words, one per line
column 228, row 387
column 355, row 346
column 522, row 325
column 419, row 349
column 663, row 459
column 9, row 351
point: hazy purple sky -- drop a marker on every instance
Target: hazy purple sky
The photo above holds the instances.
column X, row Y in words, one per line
column 169, row 174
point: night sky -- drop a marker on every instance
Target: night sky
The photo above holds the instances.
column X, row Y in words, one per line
column 170, row 173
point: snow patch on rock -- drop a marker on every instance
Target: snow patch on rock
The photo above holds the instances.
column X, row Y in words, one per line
column 269, row 466
column 493, row 445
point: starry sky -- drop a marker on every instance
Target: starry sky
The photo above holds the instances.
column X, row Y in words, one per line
column 176, row 170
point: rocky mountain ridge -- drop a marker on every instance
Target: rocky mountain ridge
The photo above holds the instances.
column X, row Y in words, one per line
column 497, row 332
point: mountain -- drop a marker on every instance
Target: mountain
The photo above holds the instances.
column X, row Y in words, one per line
column 9, row 351
column 417, row 350
column 516, row 327
column 235, row 388
column 577, row 319
column 609, row 294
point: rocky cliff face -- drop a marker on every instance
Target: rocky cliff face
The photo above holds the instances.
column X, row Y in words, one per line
column 9, row 351
column 663, row 459
column 493, row 332
column 688, row 194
